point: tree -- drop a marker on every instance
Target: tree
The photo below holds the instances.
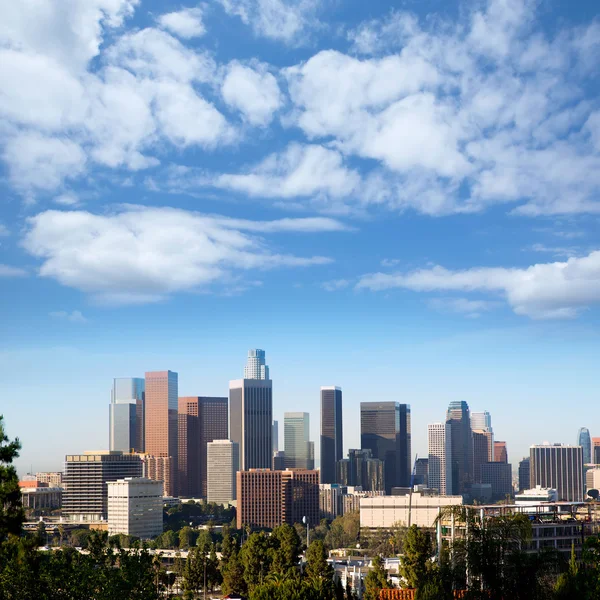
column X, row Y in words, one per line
column 41, row 534
column 194, row 571
column 376, row 580
column 185, row 537
column 11, row 509
column 256, row 559
column 286, row 548
column 317, row 567
column 233, row 575
column 415, row 560
column 61, row 533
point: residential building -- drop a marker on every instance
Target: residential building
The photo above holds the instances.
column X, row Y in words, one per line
column 500, row 452
column 135, row 507
column 422, row 472
column 385, row 430
column 390, row 511
column 126, row 414
column 524, row 474
column 275, row 436
column 483, row 451
column 86, row 478
column 461, row 460
column 499, row 476
column 299, row 450
column 439, row 437
column 161, row 422
column 222, row 466
column 585, row 441
column 53, row 479
column 39, row 496
column 481, row 421
column 251, row 421
column 256, row 367
column 559, row 467
column 159, row 468
column 332, row 445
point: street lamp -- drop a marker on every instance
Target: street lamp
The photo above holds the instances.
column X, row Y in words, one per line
column 305, row 521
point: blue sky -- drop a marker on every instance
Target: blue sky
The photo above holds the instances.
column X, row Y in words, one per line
column 397, row 198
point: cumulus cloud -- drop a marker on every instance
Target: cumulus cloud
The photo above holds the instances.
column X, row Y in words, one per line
column 186, row 23
column 140, row 254
column 75, row 316
column 541, row 291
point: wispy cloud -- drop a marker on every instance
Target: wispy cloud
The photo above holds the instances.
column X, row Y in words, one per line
column 335, row 284
column 8, row 271
column 74, row 316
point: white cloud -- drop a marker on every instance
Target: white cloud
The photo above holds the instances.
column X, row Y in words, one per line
column 140, row 254
column 8, row 271
column 67, row 199
column 186, row 23
column 4, row 232
column 541, row 291
column 556, row 250
column 254, row 92
column 75, row 316
column 335, row 284
column 462, row 306
column 283, row 20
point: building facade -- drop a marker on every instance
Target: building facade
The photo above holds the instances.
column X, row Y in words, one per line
column 161, row 421
column 332, row 444
column 52, row 478
column 500, row 452
column 86, row 478
column 524, row 474
column 585, row 441
column 300, row 497
column 299, row 450
column 256, row 366
column 483, row 451
column 499, row 476
column 160, row 468
column 135, row 507
column 222, row 462
column 126, row 414
column 439, row 437
column 360, row 469
column 39, row 496
column 558, row 467
column 275, row 436
column 461, row 457
column 251, row 421
column 481, row 421
column 385, row 430
column 422, row 472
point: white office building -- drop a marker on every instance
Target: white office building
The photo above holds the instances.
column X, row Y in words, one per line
column 256, row 367
column 135, row 507
column 222, row 464
column 439, row 436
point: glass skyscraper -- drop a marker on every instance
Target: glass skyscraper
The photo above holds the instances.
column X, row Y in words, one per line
column 461, row 459
column 256, row 367
column 126, row 414
column 299, row 450
column 585, row 441
column 332, row 445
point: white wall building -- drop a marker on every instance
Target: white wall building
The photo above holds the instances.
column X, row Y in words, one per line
column 439, row 436
column 592, row 479
column 135, row 507
column 222, row 463
column 389, row 511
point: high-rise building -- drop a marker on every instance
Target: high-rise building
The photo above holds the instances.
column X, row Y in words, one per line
column 440, row 451
column 524, row 474
column 251, row 421
column 584, row 440
column 596, row 450
column 462, row 446
column 275, row 436
column 385, row 430
column 160, row 468
column 422, row 472
column 278, row 461
column 558, row 467
column 499, row 475
column 299, row 451
column 332, row 445
column 500, row 452
column 256, row 367
column 360, row 469
column 481, row 421
column 126, row 415
column 483, row 451
column 223, row 463
column 161, row 420
column 300, row 496
column 135, row 507
column 86, row 475
column 213, row 419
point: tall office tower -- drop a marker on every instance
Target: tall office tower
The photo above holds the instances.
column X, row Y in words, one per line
column 161, row 419
column 126, row 415
column 275, row 436
column 585, row 441
column 385, row 430
column 297, row 446
column 462, row 446
column 524, row 474
column 86, row 475
column 481, row 421
column 483, row 451
column 332, row 446
column 558, row 467
column 439, row 437
column 342, row 472
column 360, row 469
column 500, row 452
column 251, row 421
column 222, row 465
column 596, row 450
column 256, row 367
column 499, row 476
column 422, row 472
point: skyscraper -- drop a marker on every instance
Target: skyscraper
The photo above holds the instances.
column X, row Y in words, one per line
column 332, row 446
column 361, row 469
column 161, row 423
column 500, row 452
column 275, row 436
column 299, row 450
column 499, row 475
column 256, row 367
column 251, row 421
column 585, row 441
column 222, row 465
column 524, row 474
column 440, row 451
column 481, row 421
column 385, row 430
column 596, row 450
column 126, row 414
column 483, row 451
column 462, row 446
column 558, row 467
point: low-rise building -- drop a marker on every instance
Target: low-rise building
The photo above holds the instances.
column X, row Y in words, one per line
column 135, row 507
column 54, row 479
column 536, row 496
column 39, row 496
